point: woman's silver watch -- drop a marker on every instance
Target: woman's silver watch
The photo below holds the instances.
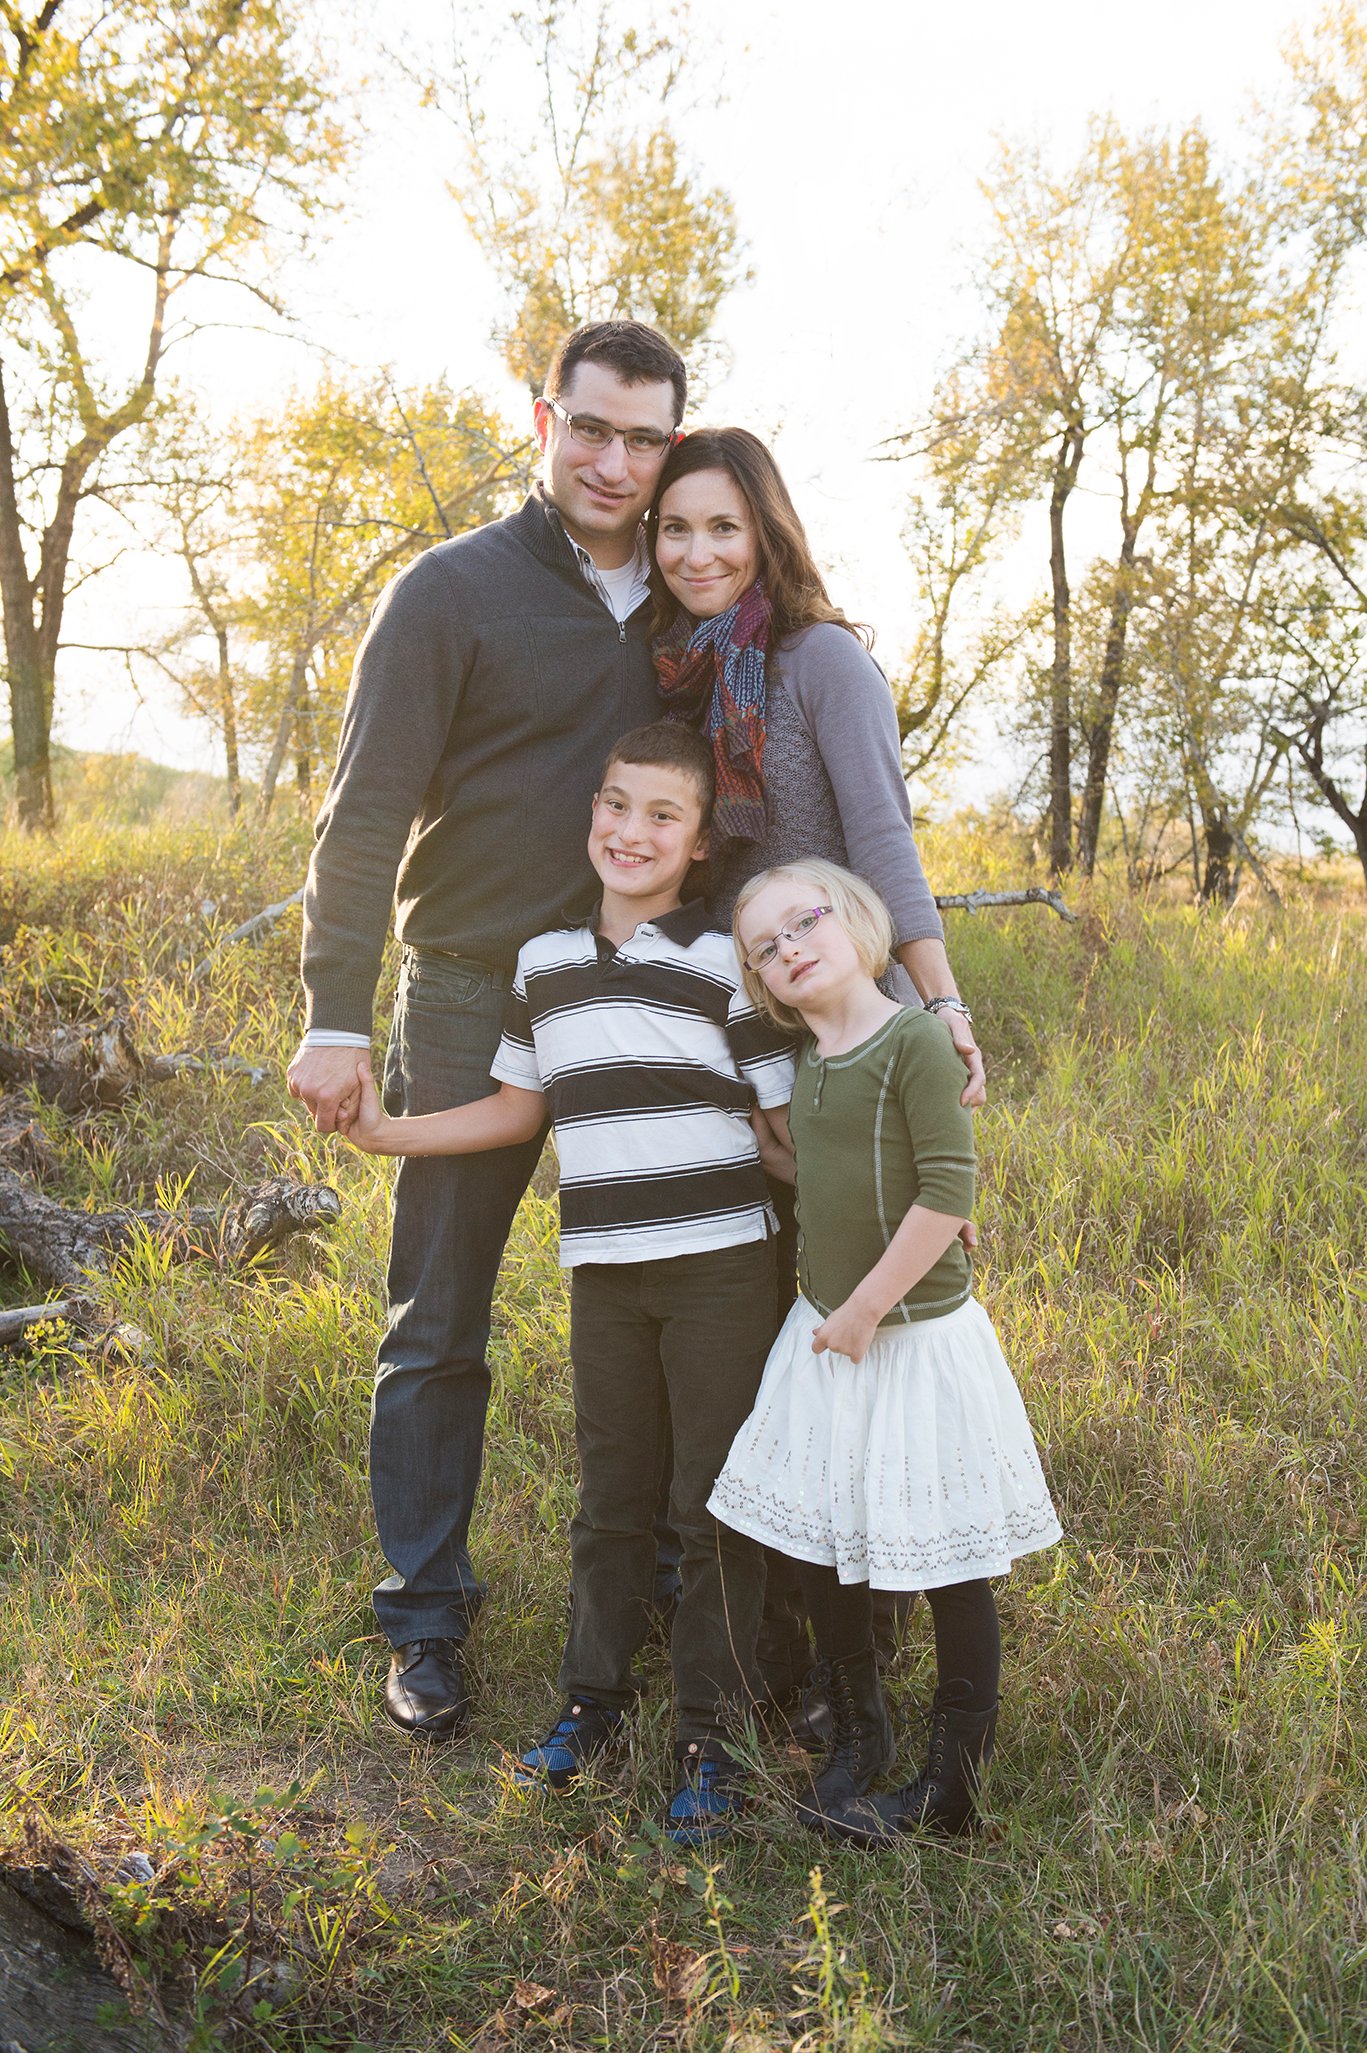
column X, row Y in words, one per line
column 949, row 1005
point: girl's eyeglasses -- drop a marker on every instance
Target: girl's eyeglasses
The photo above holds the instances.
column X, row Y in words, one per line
column 765, row 952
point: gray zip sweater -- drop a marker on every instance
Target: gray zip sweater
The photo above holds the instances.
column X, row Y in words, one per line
column 490, row 686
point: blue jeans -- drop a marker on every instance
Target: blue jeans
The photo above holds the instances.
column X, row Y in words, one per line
column 452, row 1215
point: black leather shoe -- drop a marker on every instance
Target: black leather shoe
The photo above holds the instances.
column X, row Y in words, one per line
column 424, row 1692
column 802, row 1717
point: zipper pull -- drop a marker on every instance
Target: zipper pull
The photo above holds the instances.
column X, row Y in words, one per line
column 621, row 630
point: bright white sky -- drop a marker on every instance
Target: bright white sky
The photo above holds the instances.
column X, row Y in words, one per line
column 851, row 138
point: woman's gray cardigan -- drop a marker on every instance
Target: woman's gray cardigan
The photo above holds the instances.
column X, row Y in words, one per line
column 833, row 783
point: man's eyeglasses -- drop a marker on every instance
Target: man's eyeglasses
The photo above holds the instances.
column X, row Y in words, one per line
column 765, row 952
column 591, row 433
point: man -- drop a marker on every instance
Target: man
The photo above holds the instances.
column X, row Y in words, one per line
column 497, row 672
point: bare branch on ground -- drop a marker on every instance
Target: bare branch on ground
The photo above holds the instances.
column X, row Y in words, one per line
column 974, row 901
column 259, row 923
column 61, row 1247
column 89, row 1069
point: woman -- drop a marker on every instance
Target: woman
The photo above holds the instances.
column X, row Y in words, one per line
column 749, row 647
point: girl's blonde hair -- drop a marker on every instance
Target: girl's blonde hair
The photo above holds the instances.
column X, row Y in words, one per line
column 857, row 906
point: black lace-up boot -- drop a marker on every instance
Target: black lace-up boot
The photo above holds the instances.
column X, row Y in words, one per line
column 944, row 1796
column 860, row 1746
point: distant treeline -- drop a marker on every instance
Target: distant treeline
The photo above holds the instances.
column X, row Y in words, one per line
column 1152, row 408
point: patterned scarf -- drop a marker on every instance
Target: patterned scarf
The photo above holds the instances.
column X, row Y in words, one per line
column 712, row 674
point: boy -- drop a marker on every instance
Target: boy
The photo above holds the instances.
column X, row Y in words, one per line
column 633, row 1030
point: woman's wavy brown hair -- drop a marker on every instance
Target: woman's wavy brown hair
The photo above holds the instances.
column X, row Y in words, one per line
column 795, row 587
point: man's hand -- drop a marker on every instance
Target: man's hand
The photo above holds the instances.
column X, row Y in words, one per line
column 326, row 1080
column 847, row 1331
column 961, row 1033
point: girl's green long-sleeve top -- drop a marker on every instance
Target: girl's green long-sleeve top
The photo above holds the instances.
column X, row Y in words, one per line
column 877, row 1131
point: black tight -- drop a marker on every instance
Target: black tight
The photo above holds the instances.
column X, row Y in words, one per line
column 967, row 1636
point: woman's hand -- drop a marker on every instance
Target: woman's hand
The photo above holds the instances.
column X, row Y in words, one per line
column 974, row 1092
column 926, row 963
column 847, row 1331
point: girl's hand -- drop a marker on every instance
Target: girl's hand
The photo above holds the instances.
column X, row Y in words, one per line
column 371, row 1128
column 847, row 1331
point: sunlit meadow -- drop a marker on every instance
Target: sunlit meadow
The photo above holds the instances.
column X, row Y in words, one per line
column 1174, row 1169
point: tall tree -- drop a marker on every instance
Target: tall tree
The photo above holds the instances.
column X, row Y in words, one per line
column 1161, row 335
column 583, row 206
column 1318, row 653
column 975, row 481
column 346, row 484
column 1185, row 288
column 1058, row 260
column 166, row 138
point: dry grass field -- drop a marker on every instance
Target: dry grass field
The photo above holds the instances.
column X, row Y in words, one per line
column 1173, row 1201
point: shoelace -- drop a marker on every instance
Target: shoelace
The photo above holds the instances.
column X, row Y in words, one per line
column 846, row 1748
column 566, row 1729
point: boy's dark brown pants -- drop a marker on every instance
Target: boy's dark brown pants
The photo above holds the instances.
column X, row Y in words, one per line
column 683, row 1342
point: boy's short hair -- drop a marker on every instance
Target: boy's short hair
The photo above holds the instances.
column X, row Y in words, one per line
column 640, row 355
column 669, row 745
column 857, row 906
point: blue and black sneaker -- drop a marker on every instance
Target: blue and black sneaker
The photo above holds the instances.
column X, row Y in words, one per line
column 584, row 1728
column 710, row 1798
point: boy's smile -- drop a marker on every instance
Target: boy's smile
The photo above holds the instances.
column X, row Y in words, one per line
column 647, row 833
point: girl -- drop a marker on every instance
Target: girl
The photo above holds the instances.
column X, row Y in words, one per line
column 888, row 1447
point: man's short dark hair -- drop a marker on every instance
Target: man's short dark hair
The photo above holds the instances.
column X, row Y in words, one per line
column 638, row 354
column 669, row 745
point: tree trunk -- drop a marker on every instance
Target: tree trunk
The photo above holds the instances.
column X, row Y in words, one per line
column 288, row 714
column 1360, row 843
column 1217, row 882
column 303, row 753
column 1061, row 671
column 1108, row 696
column 228, row 713
column 34, row 606
column 1309, row 747
column 29, row 690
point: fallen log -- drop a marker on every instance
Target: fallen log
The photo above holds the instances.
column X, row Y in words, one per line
column 55, row 1990
column 23, row 1144
column 17, row 1320
column 974, row 901
column 60, row 1246
column 91, row 1069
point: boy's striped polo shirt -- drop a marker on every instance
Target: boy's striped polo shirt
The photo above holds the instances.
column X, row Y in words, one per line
column 651, row 1057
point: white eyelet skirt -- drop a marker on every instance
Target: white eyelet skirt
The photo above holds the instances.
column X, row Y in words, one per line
column 909, row 1470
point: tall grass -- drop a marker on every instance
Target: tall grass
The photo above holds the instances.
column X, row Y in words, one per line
column 1173, row 1249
